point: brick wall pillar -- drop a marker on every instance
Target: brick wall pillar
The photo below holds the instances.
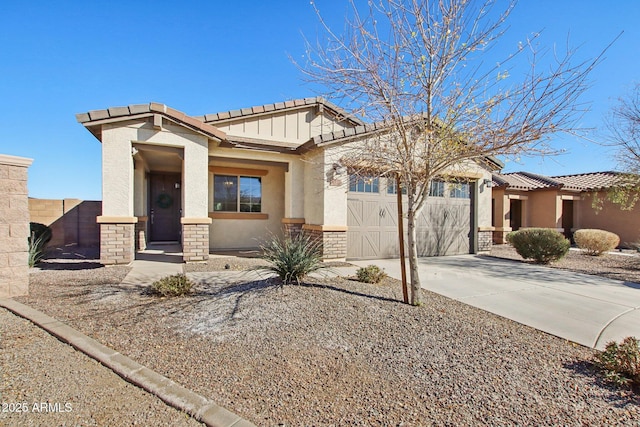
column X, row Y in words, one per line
column 292, row 226
column 117, row 239
column 195, row 239
column 485, row 239
column 333, row 240
column 14, row 226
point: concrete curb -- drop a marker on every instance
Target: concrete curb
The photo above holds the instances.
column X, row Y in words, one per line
column 166, row 390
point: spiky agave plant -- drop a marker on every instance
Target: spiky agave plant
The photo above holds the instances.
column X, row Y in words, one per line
column 292, row 257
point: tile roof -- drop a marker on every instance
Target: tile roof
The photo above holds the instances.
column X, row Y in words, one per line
column 279, row 106
column 578, row 182
column 115, row 114
column 524, row 181
column 589, row 181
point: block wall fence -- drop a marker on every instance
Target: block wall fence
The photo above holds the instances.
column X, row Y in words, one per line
column 72, row 221
column 14, row 226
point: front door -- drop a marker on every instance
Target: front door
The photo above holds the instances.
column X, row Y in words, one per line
column 515, row 214
column 567, row 218
column 165, row 207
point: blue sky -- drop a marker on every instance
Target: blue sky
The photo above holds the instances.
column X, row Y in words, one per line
column 62, row 58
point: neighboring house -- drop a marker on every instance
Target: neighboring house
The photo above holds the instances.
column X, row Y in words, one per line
column 230, row 180
column 565, row 203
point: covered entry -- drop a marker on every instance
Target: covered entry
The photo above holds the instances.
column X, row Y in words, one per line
column 164, row 207
column 445, row 225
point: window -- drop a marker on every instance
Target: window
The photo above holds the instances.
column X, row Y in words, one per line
column 391, row 187
column 436, row 188
column 363, row 184
column 233, row 193
column 460, row 190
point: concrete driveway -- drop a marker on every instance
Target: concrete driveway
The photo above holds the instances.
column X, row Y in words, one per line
column 585, row 309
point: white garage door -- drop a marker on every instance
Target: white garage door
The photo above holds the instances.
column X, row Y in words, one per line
column 444, row 226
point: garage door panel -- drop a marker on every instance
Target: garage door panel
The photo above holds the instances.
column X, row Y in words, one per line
column 443, row 226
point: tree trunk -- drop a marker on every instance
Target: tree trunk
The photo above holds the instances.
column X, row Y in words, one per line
column 416, row 293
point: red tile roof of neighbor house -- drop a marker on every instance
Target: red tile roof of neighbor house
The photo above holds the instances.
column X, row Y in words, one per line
column 579, row 182
column 589, row 181
column 524, row 181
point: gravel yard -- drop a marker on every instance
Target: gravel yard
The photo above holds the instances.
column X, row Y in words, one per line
column 337, row 352
column 622, row 266
column 46, row 382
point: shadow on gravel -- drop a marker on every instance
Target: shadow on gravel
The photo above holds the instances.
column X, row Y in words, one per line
column 350, row 292
column 60, row 265
column 618, row 397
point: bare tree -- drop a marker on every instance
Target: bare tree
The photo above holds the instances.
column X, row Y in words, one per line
column 423, row 73
column 623, row 127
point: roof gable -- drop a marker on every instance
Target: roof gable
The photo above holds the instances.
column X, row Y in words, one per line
column 93, row 120
column 318, row 102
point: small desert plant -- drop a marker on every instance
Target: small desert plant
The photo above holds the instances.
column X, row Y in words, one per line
column 595, row 242
column 39, row 236
column 621, row 362
column 543, row 245
column 172, row 286
column 370, row 274
column 292, row 257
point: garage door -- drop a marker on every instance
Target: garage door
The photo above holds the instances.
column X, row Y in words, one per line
column 444, row 226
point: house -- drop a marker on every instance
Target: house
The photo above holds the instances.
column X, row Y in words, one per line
column 229, row 180
column 564, row 203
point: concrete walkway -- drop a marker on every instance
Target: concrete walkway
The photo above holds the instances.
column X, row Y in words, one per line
column 585, row 309
column 158, row 260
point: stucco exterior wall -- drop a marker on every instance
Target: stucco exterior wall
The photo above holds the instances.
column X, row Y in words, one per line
column 236, row 233
column 314, row 187
column 626, row 224
column 545, row 209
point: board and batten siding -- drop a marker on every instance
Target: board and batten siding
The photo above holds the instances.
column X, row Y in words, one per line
column 292, row 126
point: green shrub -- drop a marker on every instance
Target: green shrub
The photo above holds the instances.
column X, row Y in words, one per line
column 621, row 362
column 172, row 286
column 39, row 236
column 370, row 274
column 543, row 245
column 292, row 257
column 595, row 242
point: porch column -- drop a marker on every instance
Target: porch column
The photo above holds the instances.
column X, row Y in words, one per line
column 117, row 222
column 195, row 192
column 294, row 198
column 326, row 203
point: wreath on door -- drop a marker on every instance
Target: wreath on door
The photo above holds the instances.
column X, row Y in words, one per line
column 164, row 201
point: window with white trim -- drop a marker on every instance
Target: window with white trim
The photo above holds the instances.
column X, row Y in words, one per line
column 237, row 193
column 363, row 184
column 460, row 190
column 391, row 187
column 436, row 188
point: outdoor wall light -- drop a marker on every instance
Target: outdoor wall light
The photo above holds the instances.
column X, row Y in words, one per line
column 487, row 183
column 134, row 151
column 339, row 169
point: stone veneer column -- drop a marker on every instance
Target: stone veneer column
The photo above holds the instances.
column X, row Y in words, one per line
column 485, row 238
column 195, row 239
column 292, row 226
column 14, row 226
column 333, row 240
column 117, row 239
